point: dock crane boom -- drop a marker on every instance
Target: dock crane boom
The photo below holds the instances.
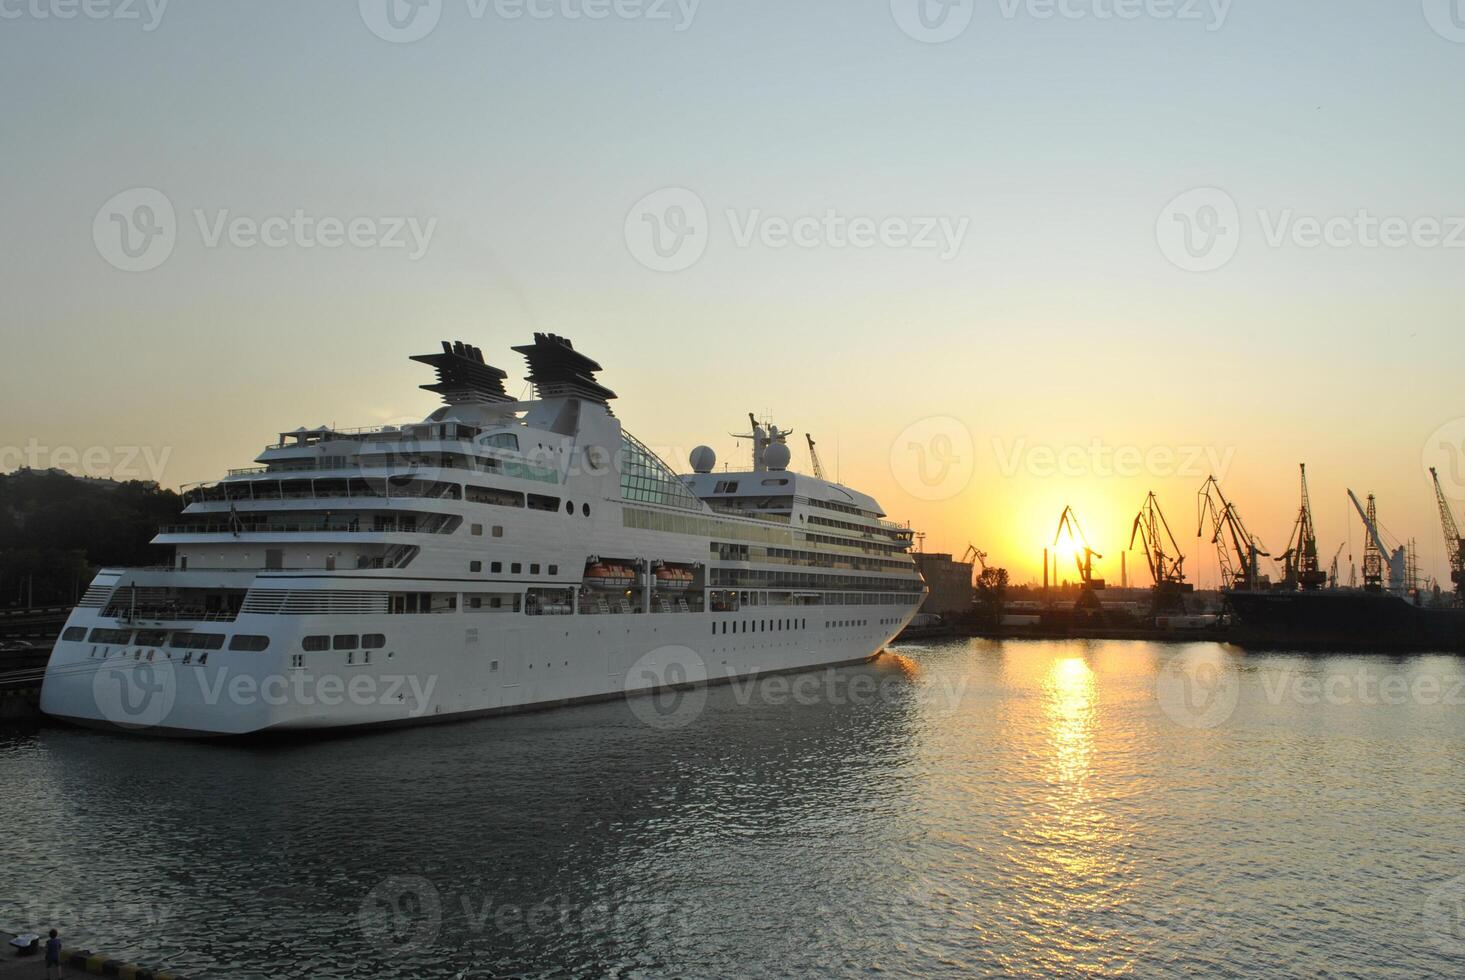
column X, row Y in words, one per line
column 1300, row 561
column 1084, row 560
column 1454, row 544
column 1372, row 574
column 976, row 556
column 814, row 458
column 1167, row 567
column 1243, row 571
column 1153, row 531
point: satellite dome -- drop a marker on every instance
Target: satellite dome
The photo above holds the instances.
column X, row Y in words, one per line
column 777, row 456
column 703, row 459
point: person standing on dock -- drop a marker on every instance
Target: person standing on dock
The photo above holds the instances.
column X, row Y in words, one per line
column 53, row 956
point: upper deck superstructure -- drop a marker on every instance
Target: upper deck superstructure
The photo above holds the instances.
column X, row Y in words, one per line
column 469, row 545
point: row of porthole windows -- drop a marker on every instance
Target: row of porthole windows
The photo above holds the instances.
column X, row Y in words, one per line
column 181, row 639
column 761, row 626
column 343, row 641
column 840, row 623
column 515, row 568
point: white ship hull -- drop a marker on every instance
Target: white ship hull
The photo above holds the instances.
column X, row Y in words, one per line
column 435, row 670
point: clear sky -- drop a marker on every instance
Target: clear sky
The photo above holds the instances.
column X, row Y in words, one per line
column 1027, row 291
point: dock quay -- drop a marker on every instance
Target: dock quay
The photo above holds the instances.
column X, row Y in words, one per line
column 21, row 670
column 15, row 965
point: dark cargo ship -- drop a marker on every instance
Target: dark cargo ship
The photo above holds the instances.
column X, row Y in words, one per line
column 1343, row 619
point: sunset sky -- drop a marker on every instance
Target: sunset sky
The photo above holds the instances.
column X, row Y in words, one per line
column 1024, row 327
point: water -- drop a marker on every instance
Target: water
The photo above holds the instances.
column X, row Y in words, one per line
column 1026, row 809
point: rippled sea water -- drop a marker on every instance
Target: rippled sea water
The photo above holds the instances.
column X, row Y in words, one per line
column 972, row 807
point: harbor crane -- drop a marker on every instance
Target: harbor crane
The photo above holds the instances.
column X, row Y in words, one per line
column 1166, row 566
column 975, row 556
column 1333, row 569
column 1454, row 544
column 1083, row 557
column 814, row 458
column 1300, row 562
column 1238, row 555
column 1375, row 550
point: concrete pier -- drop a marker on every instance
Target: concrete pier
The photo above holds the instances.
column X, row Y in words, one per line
column 74, row 961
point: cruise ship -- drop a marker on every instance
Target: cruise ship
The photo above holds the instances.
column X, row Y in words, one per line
column 501, row 555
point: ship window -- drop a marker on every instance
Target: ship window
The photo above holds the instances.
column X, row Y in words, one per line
column 569, row 507
column 554, row 569
column 297, row 660
column 74, row 633
column 493, row 496
column 477, row 530
column 373, row 641
column 475, row 566
column 498, row 531
column 645, row 478
column 496, row 567
column 345, row 641
column 120, row 637
column 539, row 501
column 585, row 509
column 515, row 568
column 534, row 569
column 503, row 440
column 249, row 642
column 314, row 644
column 197, row 641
